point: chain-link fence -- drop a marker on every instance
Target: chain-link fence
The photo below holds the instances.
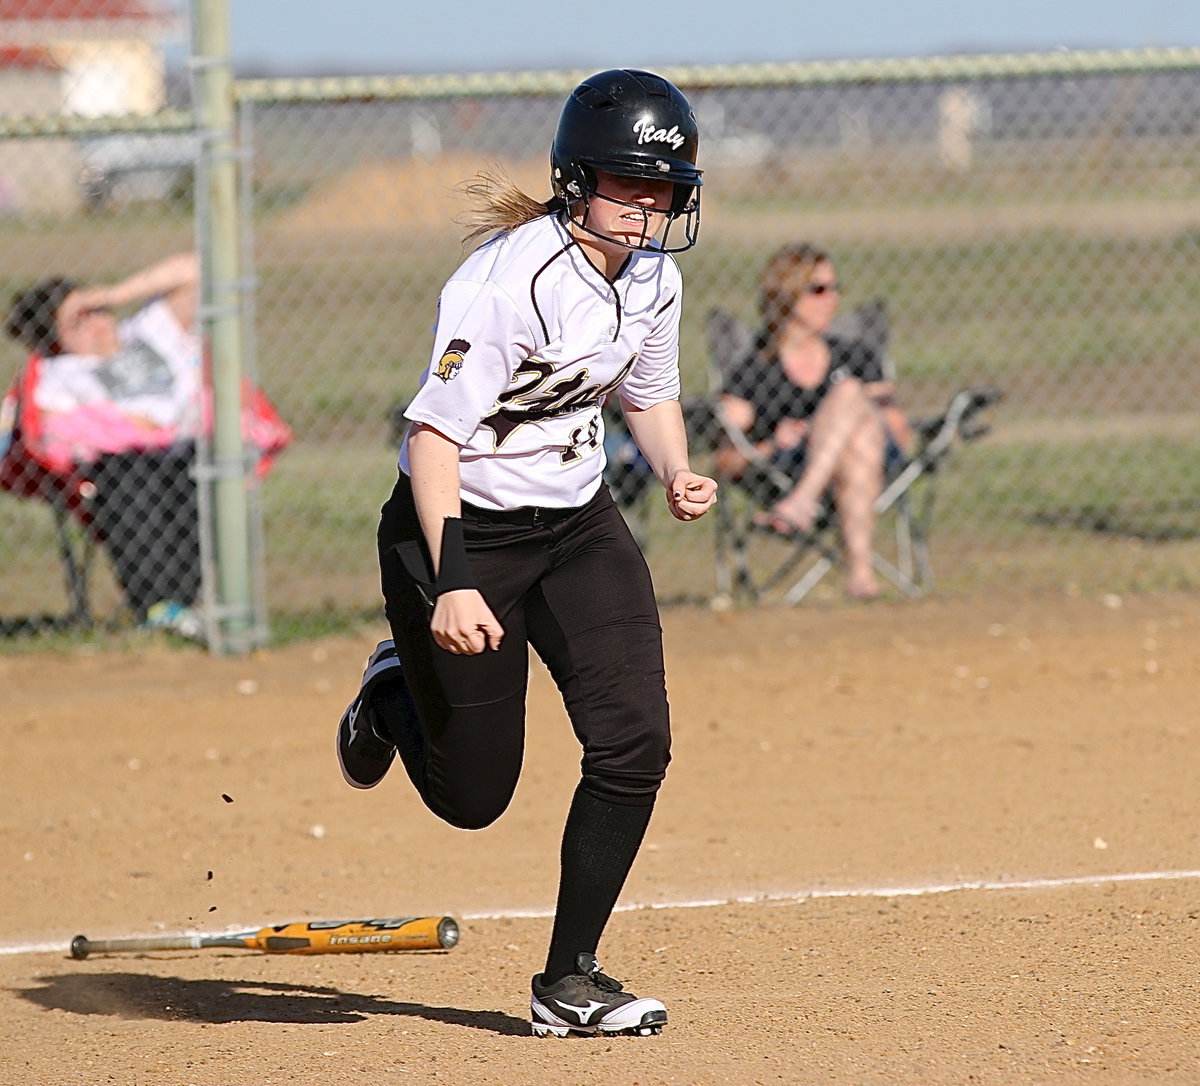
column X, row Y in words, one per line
column 97, row 160
column 1032, row 223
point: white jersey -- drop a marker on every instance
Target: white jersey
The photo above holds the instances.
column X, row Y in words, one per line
column 154, row 376
column 530, row 340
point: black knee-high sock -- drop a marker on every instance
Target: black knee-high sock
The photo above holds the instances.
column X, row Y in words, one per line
column 396, row 719
column 599, row 844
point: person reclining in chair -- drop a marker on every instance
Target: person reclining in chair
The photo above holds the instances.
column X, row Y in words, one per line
column 122, row 399
column 817, row 407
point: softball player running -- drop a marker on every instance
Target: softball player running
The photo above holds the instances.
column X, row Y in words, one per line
column 500, row 533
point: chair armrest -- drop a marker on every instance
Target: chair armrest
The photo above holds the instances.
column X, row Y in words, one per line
column 960, row 418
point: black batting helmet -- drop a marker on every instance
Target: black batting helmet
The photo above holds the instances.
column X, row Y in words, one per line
column 633, row 124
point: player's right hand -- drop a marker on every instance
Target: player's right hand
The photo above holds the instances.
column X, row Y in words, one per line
column 463, row 623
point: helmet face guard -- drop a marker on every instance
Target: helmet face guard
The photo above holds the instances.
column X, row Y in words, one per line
column 632, row 124
column 685, row 204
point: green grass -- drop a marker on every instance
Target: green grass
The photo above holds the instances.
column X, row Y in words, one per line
column 1090, row 336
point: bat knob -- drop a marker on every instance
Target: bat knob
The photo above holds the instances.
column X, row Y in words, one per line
column 79, row 947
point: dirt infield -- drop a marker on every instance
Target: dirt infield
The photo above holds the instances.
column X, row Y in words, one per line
column 948, row 841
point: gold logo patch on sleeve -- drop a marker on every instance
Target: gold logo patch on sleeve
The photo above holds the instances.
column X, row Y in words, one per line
column 452, row 359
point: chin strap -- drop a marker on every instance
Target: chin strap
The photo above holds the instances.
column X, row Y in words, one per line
column 645, row 243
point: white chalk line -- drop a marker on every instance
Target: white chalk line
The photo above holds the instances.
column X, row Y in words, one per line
column 799, row 896
column 793, row 898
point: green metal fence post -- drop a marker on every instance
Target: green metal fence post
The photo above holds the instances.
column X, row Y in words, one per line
column 231, row 626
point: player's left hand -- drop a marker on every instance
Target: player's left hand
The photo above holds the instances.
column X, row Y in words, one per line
column 690, row 495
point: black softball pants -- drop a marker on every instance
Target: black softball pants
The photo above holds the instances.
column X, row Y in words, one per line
column 572, row 584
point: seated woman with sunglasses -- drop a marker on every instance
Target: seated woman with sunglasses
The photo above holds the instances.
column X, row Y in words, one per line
column 817, row 407
column 121, row 398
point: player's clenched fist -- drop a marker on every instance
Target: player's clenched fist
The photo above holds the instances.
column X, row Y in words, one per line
column 690, row 495
column 463, row 623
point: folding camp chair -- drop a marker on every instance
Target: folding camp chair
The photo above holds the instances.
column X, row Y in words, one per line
column 37, row 463
column 908, row 492
column 27, row 473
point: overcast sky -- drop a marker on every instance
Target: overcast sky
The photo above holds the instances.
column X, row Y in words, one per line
column 392, row 37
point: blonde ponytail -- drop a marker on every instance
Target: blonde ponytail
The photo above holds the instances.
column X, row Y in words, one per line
column 500, row 205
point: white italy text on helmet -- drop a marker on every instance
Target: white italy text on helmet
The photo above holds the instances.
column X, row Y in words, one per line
column 633, row 124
